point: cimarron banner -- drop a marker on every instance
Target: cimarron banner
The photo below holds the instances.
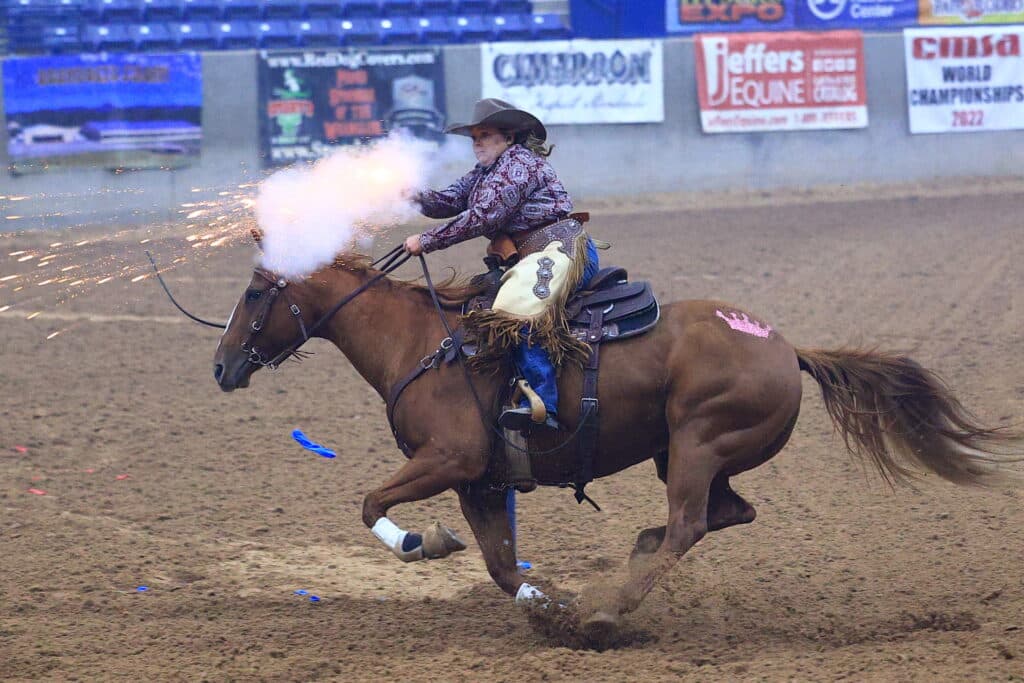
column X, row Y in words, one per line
column 781, row 81
column 312, row 100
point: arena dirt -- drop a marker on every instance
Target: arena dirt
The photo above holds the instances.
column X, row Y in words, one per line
column 223, row 517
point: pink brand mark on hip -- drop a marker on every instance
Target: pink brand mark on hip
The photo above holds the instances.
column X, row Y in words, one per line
column 742, row 323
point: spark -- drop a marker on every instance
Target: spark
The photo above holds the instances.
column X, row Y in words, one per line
column 26, row 258
column 16, row 253
column 104, row 281
column 145, row 241
column 33, row 315
column 44, row 282
column 12, row 198
column 13, row 218
column 192, row 238
column 18, row 288
column 55, row 244
column 76, row 283
column 67, row 268
column 219, row 241
column 82, row 243
column 9, row 277
column 4, row 308
column 53, row 334
column 140, row 277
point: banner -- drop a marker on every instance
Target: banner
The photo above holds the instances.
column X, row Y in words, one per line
column 578, row 81
column 971, row 12
column 694, row 16
column 965, row 79
column 312, row 100
column 120, row 111
column 824, row 14
column 781, row 81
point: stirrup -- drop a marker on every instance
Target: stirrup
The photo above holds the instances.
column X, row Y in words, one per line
column 521, row 420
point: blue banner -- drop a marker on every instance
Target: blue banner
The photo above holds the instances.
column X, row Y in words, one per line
column 716, row 16
column 109, row 110
column 828, row 14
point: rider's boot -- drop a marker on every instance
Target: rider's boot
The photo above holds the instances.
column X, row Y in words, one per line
column 535, row 364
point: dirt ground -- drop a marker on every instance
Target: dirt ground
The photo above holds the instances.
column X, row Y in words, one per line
column 223, row 517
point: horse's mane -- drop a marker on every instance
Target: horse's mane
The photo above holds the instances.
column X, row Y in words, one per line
column 453, row 291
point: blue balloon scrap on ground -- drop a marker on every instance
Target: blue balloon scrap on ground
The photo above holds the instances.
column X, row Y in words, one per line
column 142, row 589
column 310, row 446
column 301, row 592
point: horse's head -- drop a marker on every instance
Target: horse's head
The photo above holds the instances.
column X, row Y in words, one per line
column 265, row 328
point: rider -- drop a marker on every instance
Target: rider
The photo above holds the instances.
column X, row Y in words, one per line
column 513, row 192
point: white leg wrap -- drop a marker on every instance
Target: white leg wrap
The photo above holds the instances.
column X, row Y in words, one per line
column 527, row 593
column 392, row 535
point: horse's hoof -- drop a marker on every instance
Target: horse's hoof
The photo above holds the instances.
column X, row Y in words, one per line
column 440, row 541
column 600, row 628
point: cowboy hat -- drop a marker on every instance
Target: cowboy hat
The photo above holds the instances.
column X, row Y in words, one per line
column 501, row 115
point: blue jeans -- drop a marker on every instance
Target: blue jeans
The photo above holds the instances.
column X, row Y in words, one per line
column 534, row 362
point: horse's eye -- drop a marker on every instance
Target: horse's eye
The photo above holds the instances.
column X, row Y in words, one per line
column 253, row 295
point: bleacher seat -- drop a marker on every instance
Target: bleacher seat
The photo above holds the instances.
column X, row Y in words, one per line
column 200, row 10
column 113, row 11
column 240, row 34
column 161, row 10
column 444, row 7
column 434, row 30
column 473, row 6
column 283, row 9
column 397, row 31
column 511, row 27
column 323, row 9
column 276, row 33
column 470, row 29
column 107, row 37
column 358, row 31
column 193, row 35
column 61, row 39
column 151, row 36
column 239, row 10
column 512, row 7
column 369, row 9
column 549, row 27
column 395, row 8
column 315, row 33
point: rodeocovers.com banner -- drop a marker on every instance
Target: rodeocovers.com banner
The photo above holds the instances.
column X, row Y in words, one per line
column 971, row 11
column 311, row 100
column 578, row 81
column 965, row 79
column 781, row 81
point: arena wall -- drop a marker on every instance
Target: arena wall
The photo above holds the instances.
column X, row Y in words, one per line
column 593, row 160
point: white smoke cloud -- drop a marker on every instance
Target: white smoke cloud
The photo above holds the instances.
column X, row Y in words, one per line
column 309, row 214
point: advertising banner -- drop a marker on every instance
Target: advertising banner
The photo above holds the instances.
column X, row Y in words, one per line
column 312, row 100
column 872, row 14
column 578, row 81
column 966, row 79
column 118, row 111
column 781, row 81
column 971, row 12
column 695, row 16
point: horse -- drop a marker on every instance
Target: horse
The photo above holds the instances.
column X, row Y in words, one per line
column 711, row 392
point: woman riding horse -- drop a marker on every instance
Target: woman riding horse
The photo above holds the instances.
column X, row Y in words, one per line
column 514, row 194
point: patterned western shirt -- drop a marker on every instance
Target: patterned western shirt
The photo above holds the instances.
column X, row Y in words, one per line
column 519, row 191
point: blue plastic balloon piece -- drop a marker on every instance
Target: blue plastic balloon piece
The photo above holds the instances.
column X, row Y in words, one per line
column 142, row 589
column 310, row 446
column 314, row 598
column 524, row 565
column 301, row 592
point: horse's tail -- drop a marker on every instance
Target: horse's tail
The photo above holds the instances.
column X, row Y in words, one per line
column 896, row 413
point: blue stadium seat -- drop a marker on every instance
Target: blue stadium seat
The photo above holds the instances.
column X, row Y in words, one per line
column 197, row 35
column 512, row 7
column 61, row 39
column 151, row 37
column 107, row 37
column 276, row 33
column 511, row 26
column 395, row 8
column 358, row 31
column 237, row 10
column 161, row 10
column 283, row 9
column 200, row 10
column 470, row 29
column 361, row 8
column 398, row 31
column 240, row 34
column 445, row 7
column 473, row 6
column 323, row 9
column 549, row 27
column 42, row 9
column 434, row 30
column 114, row 11
column 315, row 33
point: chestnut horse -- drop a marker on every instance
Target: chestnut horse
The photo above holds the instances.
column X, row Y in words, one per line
column 709, row 393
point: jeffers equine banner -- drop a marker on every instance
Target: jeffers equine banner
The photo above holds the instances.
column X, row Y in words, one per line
column 781, row 81
column 971, row 11
column 695, row 16
column 578, row 81
column 116, row 111
column 965, row 79
column 311, row 100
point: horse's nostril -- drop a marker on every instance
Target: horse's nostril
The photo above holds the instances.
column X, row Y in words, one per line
column 218, row 371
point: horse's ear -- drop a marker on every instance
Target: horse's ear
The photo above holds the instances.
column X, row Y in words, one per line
column 257, row 236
